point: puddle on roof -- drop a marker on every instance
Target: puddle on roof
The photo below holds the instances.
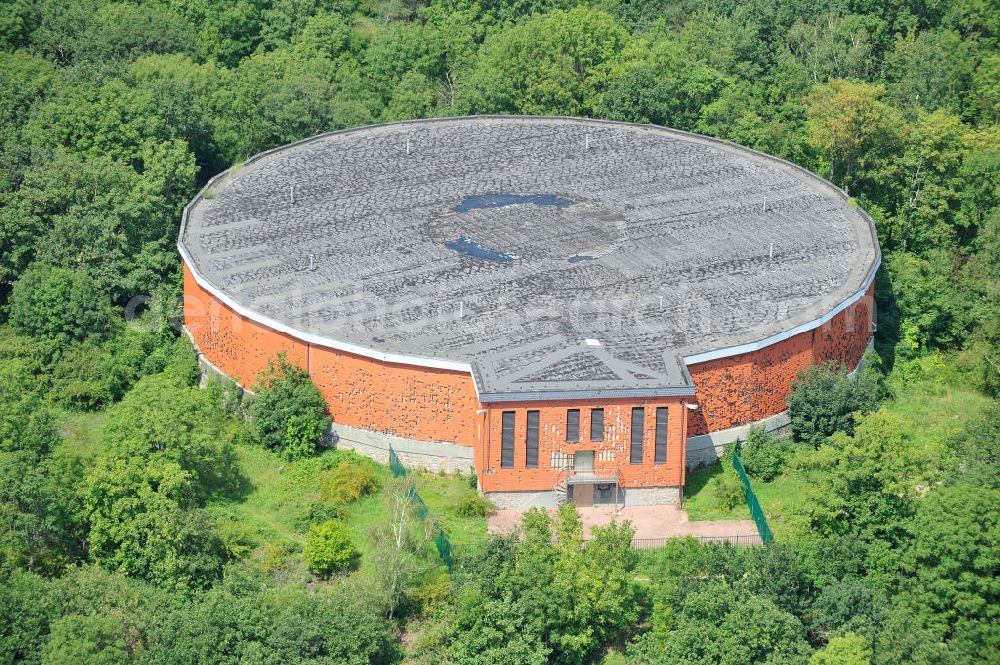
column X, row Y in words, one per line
column 480, row 201
column 576, row 258
column 472, row 248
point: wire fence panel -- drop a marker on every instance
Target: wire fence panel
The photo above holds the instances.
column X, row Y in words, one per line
column 395, row 465
column 752, row 503
column 441, row 541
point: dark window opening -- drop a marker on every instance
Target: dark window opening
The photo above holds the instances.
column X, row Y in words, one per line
column 597, row 424
column 638, row 417
column 573, row 425
column 507, row 440
column 660, row 456
column 531, row 441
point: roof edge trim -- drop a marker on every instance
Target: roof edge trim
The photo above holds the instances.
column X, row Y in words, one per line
column 438, row 363
column 787, row 334
column 319, row 340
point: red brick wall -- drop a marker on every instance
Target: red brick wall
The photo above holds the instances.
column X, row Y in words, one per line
column 746, row 388
column 415, row 402
column 552, row 438
column 441, row 405
column 409, row 401
column 236, row 345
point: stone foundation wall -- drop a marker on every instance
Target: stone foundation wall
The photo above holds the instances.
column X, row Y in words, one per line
column 652, row 496
column 646, row 496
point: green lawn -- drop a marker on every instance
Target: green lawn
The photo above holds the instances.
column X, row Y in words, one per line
column 281, row 499
column 81, row 433
column 701, row 502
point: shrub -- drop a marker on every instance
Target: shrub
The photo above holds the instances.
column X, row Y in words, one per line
column 301, row 435
column 349, row 482
column 328, row 548
column 764, row 454
column 289, row 414
column 472, row 505
column 77, row 379
column 59, row 304
column 727, row 489
column 824, row 399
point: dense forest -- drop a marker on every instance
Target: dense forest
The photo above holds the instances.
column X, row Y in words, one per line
column 145, row 519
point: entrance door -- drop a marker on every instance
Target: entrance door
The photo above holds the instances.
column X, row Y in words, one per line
column 583, row 461
column 583, row 495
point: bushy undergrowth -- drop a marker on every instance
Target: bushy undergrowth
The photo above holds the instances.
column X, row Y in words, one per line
column 328, row 548
column 289, row 412
column 348, row 482
column 764, row 454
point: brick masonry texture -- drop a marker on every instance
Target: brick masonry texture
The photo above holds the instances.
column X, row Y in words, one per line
column 439, row 405
column 752, row 386
column 414, row 402
column 611, row 456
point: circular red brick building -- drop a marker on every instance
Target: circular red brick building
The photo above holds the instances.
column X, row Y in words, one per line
column 572, row 307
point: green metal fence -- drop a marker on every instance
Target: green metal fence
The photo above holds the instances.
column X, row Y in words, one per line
column 752, row 503
column 440, row 539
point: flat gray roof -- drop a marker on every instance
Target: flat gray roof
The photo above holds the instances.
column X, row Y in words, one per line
column 552, row 256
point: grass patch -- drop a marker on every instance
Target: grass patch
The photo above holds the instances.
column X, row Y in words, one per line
column 444, row 495
column 81, row 433
column 281, row 499
column 700, row 500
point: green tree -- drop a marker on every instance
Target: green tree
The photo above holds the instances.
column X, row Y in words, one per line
column 662, row 86
column 397, row 542
column 41, row 529
column 289, row 412
column 824, row 400
column 764, row 454
column 24, row 615
column 948, row 569
column 60, row 304
column 161, row 419
column 716, row 624
column 851, row 127
column 144, row 523
column 86, row 639
column 847, row 606
column 328, row 548
column 555, row 63
column 849, row 649
column 873, row 476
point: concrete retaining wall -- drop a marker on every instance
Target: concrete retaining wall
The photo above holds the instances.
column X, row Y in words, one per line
column 430, row 455
column 707, row 448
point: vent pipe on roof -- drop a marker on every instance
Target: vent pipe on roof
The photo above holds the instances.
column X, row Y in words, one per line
column 291, row 193
column 586, row 141
column 764, row 206
column 312, row 262
column 407, row 145
column 770, row 253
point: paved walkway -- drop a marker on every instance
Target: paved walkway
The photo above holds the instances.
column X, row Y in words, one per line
column 650, row 522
